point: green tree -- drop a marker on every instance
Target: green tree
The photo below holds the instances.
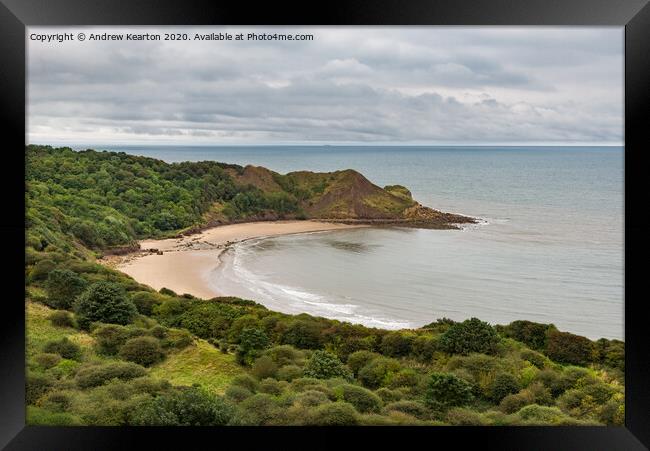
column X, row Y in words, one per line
column 565, row 347
column 142, row 350
column 63, row 286
column 446, row 390
column 472, row 335
column 325, row 365
column 251, row 342
column 106, row 302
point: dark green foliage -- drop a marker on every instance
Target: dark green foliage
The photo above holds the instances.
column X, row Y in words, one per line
column 41, row 270
column 184, row 407
column 361, row 398
column 464, row 417
column 95, row 375
column 36, row 386
column 61, row 319
column 264, row 367
column 565, row 347
column 413, row 408
column 63, row 347
column 504, row 384
column 423, row 348
column 472, row 335
column 251, row 343
column 142, row 350
column 63, row 286
column 359, row 359
column 303, row 334
column 528, row 332
column 246, row 381
column 145, row 301
column 379, row 372
column 396, row 344
column 446, row 390
column 334, row 414
column 289, row 373
column 110, row 338
column 237, row 393
column 325, row 365
column 47, row 360
column 104, row 302
column 610, row 353
column 260, row 409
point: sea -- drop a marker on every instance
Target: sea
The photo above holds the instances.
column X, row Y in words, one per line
column 548, row 246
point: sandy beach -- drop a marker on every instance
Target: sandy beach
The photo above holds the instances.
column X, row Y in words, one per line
column 186, row 263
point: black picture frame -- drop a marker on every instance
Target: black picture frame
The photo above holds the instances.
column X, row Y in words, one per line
column 15, row 15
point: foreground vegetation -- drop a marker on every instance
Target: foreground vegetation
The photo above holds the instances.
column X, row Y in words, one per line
column 103, row 349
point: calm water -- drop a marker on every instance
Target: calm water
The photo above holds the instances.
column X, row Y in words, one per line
column 550, row 248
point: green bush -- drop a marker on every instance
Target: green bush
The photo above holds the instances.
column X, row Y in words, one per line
column 535, row 358
column 379, row 372
column 312, row 398
column 37, row 385
column 424, row 347
column 359, row 359
column 407, row 377
column 464, row 417
column 412, row 408
column 251, row 342
column 56, row 401
column 513, row 403
column 37, row 416
column 145, row 301
column 62, row 287
column 237, row 393
column 361, row 398
column 47, row 360
column 270, row 386
column 142, row 350
column 325, row 365
column 530, row 333
column 176, row 339
column 565, row 347
column 396, row 344
column 264, row 367
column 61, row 319
column 184, row 407
column 285, row 355
column 446, row 390
column 246, row 381
column 472, row 335
column 63, row 347
column 289, row 373
column 95, row 375
column 303, row 334
column 41, row 270
column 110, row 337
column 504, row 384
column 388, row 396
column 540, row 415
column 104, row 302
column 334, row 414
column 260, row 409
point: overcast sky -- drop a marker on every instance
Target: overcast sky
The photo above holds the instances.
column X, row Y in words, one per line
column 364, row 85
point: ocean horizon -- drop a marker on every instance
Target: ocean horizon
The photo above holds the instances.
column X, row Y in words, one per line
column 548, row 246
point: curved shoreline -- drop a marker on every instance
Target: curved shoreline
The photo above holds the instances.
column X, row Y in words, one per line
column 186, row 262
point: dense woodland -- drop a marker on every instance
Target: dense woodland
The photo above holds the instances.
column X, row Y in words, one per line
column 103, row 349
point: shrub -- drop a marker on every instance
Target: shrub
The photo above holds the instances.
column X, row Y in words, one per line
column 387, row 395
column 63, row 347
column 334, row 414
column 56, row 401
column 359, row 359
column 413, row 408
column 246, row 381
column 289, row 373
column 504, row 384
column 37, row 416
column 535, row 358
column 472, row 335
column 259, row 410
column 531, row 334
column 37, row 385
column 61, row 319
column 312, row 398
column 361, row 398
column 142, row 350
column 285, row 355
column 110, row 338
column 396, row 344
column 145, row 301
column 303, row 334
column 424, row 347
column 270, row 386
column 93, row 376
column 237, row 393
column 41, row 270
column 325, row 365
column 378, row 372
column 105, row 302
column 264, row 367
column 540, row 415
column 446, row 390
column 251, row 342
column 176, row 339
column 513, row 403
column 63, row 286
column 46, row 360
column 405, row 378
column 184, row 407
column 565, row 347
column 167, row 292
column 464, row 417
